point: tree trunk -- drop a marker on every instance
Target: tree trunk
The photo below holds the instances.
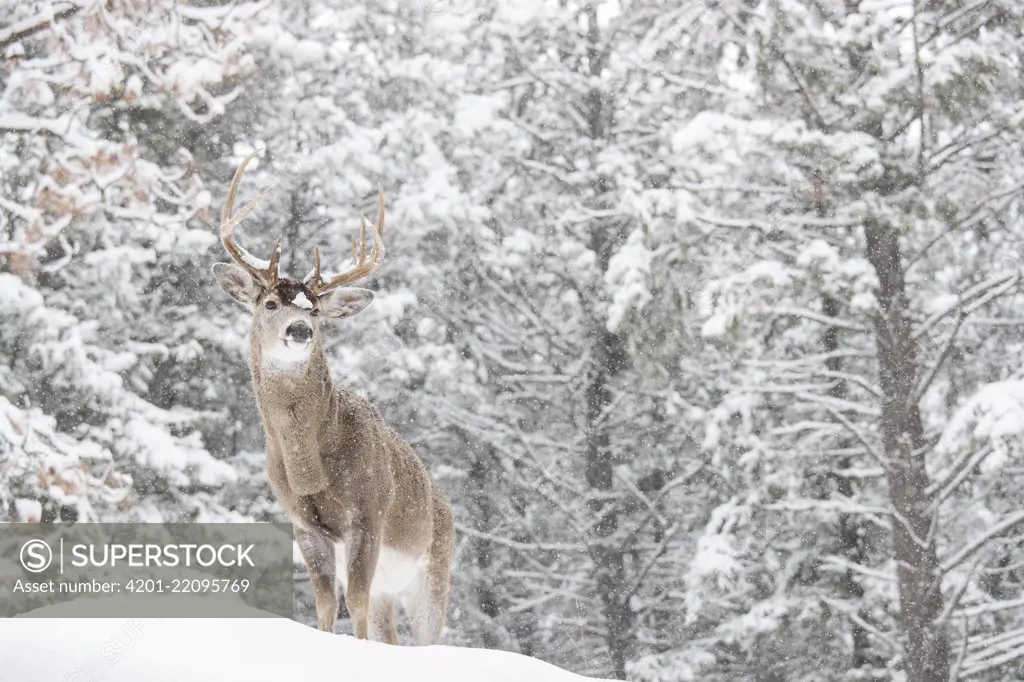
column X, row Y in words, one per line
column 605, row 549
column 926, row 646
column 485, row 593
column 850, row 530
column 608, row 356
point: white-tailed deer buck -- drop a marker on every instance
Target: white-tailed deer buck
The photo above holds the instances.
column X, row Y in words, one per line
column 360, row 499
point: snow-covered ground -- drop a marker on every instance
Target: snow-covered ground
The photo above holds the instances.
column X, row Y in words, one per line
column 225, row 650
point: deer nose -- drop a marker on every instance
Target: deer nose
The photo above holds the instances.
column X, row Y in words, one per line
column 299, row 331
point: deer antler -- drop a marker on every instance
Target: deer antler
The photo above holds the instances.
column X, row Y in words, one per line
column 264, row 271
column 363, row 268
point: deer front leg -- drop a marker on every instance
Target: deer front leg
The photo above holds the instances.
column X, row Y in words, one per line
column 362, row 562
column 318, row 553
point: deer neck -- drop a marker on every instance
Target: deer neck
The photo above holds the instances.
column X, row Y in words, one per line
column 293, row 403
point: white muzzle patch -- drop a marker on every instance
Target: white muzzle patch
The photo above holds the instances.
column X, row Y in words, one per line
column 286, row 354
column 290, row 351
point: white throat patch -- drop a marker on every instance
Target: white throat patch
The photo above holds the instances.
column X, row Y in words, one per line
column 286, row 356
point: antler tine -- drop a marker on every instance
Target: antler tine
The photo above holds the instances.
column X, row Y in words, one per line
column 268, row 273
column 314, row 275
column 363, row 267
column 380, row 211
column 362, row 237
column 229, row 202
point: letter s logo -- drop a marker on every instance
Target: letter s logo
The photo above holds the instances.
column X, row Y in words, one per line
column 36, row 556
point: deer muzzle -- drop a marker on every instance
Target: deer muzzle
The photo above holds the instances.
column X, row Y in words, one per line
column 298, row 332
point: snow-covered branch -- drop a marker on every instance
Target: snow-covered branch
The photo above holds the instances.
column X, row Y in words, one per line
column 998, row 530
column 39, row 22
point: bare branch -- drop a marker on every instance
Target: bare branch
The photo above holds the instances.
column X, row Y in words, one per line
column 875, row 453
column 1013, row 650
column 954, row 673
column 33, row 25
column 1001, row 528
column 933, row 370
column 993, row 607
column 845, row 565
column 852, row 614
column 961, row 469
column 521, row 546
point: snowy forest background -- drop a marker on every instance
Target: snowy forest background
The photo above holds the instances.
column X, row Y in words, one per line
column 704, row 312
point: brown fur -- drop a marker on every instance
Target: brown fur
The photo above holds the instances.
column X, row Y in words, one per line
column 342, row 474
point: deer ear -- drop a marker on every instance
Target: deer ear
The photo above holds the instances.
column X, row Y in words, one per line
column 238, row 283
column 345, row 302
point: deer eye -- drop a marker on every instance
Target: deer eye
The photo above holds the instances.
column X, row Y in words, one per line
column 270, row 305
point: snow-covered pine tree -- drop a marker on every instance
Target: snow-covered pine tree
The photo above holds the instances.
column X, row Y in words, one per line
column 868, row 285
column 103, row 213
column 590, row 417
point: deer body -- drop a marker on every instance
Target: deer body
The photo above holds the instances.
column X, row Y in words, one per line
column 365, row 510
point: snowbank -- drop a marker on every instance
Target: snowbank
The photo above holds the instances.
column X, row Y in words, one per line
column 224, row 650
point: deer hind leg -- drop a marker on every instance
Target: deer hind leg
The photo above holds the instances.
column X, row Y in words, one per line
column 318, row 554
column 426, row 601
column 382, row 619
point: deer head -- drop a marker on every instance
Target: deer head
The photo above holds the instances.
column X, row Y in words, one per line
column 287, row 312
